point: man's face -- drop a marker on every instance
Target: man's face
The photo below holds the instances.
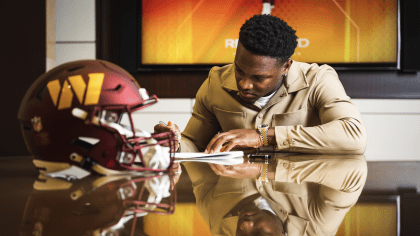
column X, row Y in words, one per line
column 253, row 221
column 257, row 76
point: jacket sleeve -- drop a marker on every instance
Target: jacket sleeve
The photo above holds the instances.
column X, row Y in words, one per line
column 203, row 124
column 204, row 180
column 341, row 131
column 340, row 178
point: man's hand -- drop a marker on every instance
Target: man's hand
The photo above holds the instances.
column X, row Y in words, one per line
column 224, row 142
column 161, row 128
column 175, row 174
column 241, row 171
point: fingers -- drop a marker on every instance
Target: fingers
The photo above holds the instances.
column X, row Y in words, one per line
column 222, row 143
column 221, row 169
column 177, row 168
column 215, row 167
column 172, row 125
column 176, row 130
column 216, row 143
column 230, row 145
column 174, row 181
column 210, row 145
column 175, row 174
column 241, row 171
column 161, row 128
column 234, row 138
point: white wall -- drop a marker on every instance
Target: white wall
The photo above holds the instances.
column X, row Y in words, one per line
column 393, row 128
column 393, row 125
column 74, row 30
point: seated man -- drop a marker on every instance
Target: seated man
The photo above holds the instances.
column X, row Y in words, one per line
column 266, row 99
column 306, row 195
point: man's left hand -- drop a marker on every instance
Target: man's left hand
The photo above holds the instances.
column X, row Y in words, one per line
column 241, row 171
column 175, row 173
column 162, row 128
column 243, row 138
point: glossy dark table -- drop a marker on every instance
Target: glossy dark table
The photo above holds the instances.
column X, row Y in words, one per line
column 18, row 175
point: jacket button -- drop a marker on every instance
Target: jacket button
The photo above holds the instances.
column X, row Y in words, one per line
column 285, row 142
column 285, row 165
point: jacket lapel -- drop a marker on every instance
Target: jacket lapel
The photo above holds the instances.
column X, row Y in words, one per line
column 229, row 81
column 296, row 77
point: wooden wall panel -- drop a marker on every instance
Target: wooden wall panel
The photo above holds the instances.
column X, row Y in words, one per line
column 22, row 60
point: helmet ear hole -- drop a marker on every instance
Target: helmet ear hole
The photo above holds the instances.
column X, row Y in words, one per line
column 26, row 127
column 118, row 87
column 85, row 143
column 75, row 68
column 41, row 93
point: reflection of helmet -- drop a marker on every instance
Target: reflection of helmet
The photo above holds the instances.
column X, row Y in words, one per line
column 74, row 115
column 95, row 205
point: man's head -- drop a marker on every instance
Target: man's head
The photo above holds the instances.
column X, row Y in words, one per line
column 267, row 35
column 254, row 221
column 262, row 58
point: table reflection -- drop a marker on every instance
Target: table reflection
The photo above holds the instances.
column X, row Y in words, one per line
column 139, row 204
column 96, row 205
column 307, row 195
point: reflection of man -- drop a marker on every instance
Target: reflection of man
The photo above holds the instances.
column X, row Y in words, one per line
column 309, row 195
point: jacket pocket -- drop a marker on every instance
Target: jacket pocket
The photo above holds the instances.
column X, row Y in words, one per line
column 227, row 185
column 229, row 120
column 299, row 117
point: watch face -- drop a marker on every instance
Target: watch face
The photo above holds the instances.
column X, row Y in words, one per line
column 263, row 126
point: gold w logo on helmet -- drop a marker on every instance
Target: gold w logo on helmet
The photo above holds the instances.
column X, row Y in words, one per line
column 75, row 85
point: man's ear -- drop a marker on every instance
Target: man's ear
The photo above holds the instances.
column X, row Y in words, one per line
column 287, row 65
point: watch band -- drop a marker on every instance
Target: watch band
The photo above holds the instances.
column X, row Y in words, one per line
column 263, row 176
column 263, row 130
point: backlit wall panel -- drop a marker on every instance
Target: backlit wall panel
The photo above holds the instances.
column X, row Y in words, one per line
column 329, row 31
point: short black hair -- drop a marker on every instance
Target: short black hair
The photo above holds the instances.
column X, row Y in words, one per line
column 267, row 35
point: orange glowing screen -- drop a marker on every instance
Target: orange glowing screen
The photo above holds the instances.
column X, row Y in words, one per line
column 329, row 31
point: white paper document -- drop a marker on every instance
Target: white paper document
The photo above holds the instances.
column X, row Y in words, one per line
column 71, row 173
column 223, row 158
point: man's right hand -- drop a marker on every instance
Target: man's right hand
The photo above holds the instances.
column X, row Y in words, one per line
column 162, row 128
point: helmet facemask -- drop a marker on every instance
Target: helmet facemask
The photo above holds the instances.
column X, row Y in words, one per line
column 141, row 150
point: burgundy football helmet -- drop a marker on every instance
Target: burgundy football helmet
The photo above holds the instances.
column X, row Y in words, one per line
column 96, row 205
column 72, row 116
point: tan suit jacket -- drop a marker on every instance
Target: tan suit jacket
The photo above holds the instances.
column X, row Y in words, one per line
column 311, row 193
column 310, row 111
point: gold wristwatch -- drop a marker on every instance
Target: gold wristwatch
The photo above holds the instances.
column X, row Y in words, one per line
column 263, row 130
column 263, row 178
